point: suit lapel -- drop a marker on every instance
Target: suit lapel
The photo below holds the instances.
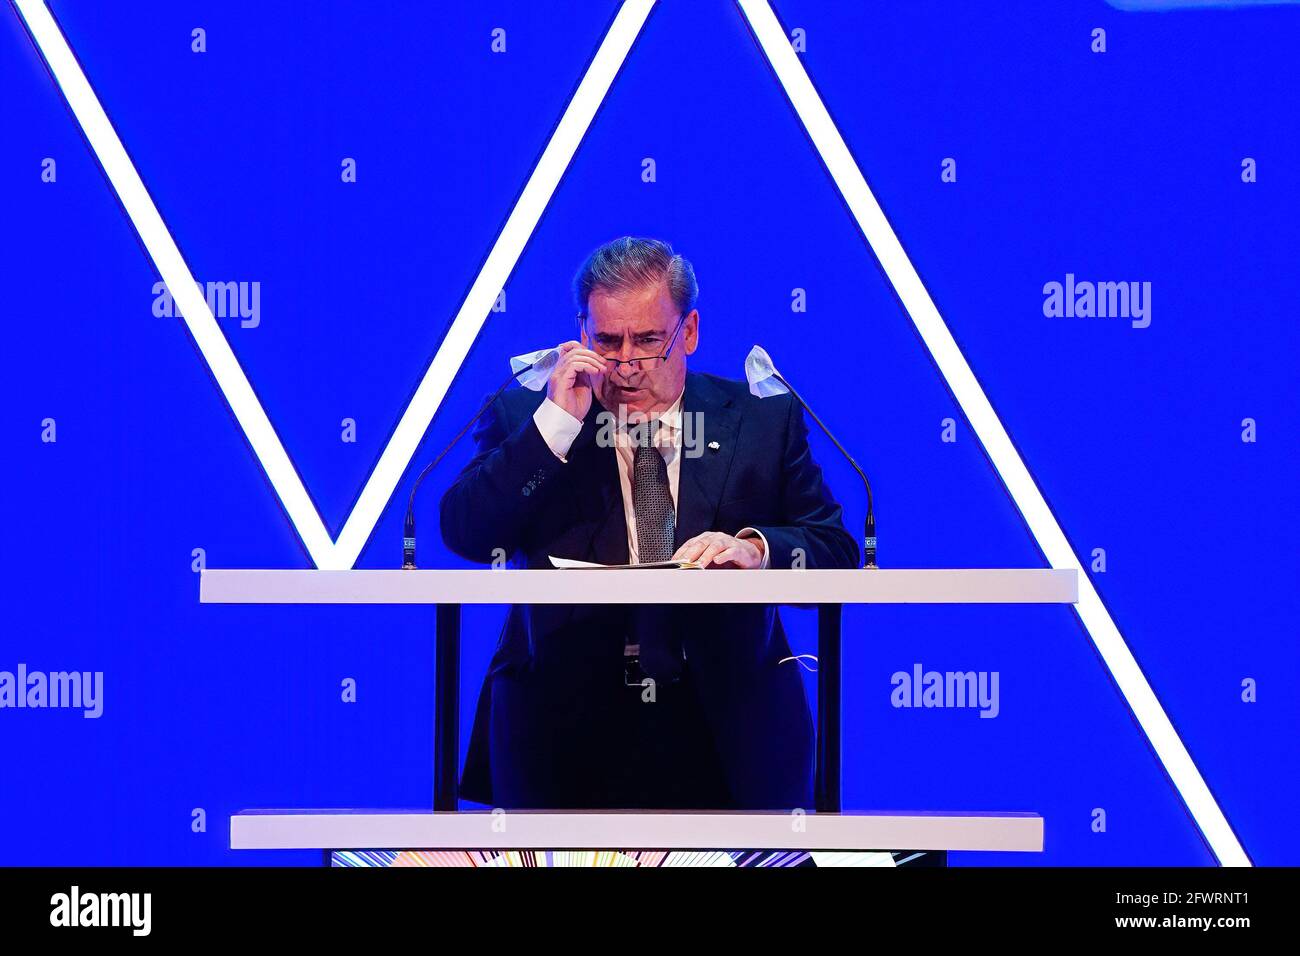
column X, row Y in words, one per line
column 709, row 435
column 601, row 491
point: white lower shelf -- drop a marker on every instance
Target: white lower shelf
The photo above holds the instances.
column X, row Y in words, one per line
column 663, row 830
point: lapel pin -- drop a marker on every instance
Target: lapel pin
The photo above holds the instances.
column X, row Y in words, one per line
column 714, row 446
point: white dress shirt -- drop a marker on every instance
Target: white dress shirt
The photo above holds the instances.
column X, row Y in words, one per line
column 560, row 429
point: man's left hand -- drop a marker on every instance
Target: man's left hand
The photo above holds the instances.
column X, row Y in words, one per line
column 713, row 549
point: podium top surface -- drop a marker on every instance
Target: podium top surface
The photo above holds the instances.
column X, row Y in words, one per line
column 876, row 586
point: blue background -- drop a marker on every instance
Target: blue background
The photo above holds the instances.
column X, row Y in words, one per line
column 1119, row 166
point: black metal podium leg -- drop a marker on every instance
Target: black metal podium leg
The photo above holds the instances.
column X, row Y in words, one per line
column 827, row 782
column 446, row 708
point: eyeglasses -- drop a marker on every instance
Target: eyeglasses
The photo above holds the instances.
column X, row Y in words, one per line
column 644, row 363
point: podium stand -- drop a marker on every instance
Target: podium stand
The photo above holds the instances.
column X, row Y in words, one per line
column 827, row 590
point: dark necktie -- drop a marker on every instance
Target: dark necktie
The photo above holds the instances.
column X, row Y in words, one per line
column 652, row 503
column 652, row 500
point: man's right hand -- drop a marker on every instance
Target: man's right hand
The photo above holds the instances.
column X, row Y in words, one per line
column 576, row 374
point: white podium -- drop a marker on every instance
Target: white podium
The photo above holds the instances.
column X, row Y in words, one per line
column 825, row 829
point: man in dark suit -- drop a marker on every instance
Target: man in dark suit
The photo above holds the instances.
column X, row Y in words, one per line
column 629, row 458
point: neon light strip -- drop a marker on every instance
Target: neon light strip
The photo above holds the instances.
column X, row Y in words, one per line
column 500, row 262
column 216, row 351
column 167, row 259
column 975, row 405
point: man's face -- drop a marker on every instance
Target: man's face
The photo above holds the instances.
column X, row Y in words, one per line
column 638, row 324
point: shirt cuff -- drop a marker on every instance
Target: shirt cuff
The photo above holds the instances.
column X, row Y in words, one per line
column 559, row 429
column 755, row 533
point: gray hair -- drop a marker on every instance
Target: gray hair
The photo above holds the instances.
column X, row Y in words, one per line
column 630, row 264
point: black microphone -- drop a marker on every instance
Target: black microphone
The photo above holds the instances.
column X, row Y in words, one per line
column 408, row 526
column 759, row 371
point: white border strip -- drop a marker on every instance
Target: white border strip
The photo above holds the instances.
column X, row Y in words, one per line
column 975, row 405
column 230, row 377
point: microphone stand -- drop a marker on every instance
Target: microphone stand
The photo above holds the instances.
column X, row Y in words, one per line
column 408, row 525
column 869, row 536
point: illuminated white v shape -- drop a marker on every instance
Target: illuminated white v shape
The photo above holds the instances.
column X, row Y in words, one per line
column 230, row 377
column 830, row 145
